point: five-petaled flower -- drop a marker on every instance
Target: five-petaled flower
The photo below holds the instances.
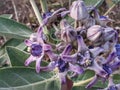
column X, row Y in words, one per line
column 37, row 50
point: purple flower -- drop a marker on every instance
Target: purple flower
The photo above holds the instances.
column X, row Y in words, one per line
column 63, row 64
column 37, row 49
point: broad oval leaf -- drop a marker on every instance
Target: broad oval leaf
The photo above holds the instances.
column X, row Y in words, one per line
column 12, row 42
column 20, row 78
column 4, row 59
column 11, row 28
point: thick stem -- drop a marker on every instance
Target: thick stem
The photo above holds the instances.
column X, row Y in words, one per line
column 38, row 15
column 44, row 5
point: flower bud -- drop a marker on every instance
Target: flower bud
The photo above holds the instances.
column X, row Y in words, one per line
column 78, row 10
column 94, row 32
column 68, row 33
column 109, row 34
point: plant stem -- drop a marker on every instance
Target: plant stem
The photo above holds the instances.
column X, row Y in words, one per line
column 44, row 5
column 83, row 82
column 110, row 9
column 15, row 10
column 38, row 15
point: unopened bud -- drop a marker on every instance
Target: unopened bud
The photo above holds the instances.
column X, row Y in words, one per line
column 78, row 10
column 94, row 32
column 68, row 33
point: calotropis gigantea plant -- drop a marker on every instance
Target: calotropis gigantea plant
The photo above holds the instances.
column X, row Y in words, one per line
column 75, row 55
column 67, row 50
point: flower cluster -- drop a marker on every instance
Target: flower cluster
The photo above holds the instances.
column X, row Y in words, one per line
column 90, row 45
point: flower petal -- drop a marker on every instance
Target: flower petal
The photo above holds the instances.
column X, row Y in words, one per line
column 38, row 62
column 115, row 65
column 81, row 45
column 29, row 60
column 52, row 55
column 72, row 58
column 47, row 47
column 96, row 51
column 67, row 49
column 40, row 35
column 98, row 69
column 75, row 68
column 110, row 58
column 28, row 42
column 50, row 66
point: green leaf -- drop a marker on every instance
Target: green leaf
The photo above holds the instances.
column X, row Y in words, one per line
column 21, row 46
column 20, row 78
column 86, row 75
column 18, row 57
column 6, row 16
column 11, row 28
column 11, row 42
